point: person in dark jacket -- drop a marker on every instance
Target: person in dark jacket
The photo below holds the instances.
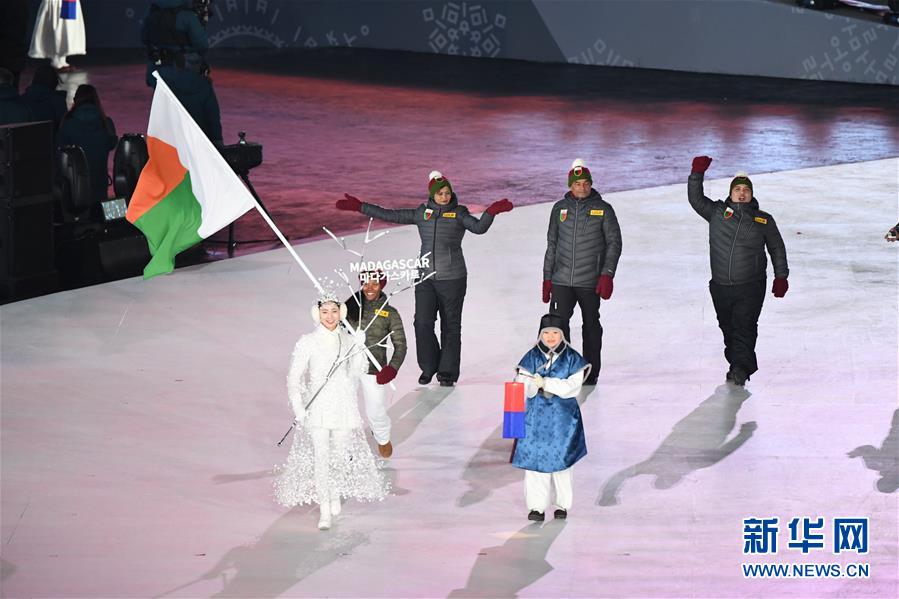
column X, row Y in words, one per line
column 169, row 29
column 13, row 108
column 195, row 92
column 441, row 222
column 14, row 37
column 583, row 245
column 368, row 309
column 739, row 233
column 87, row 126
column 47, row 103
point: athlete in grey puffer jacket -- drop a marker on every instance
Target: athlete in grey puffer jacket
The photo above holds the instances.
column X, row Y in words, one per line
column 583, row 241
column 441, row 229
column 583, row 244
column 441, row 222
column 738, row 234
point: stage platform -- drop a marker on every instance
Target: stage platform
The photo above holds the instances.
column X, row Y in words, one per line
column 140, row 418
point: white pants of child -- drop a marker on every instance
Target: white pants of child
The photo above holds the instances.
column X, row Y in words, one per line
column 324, row 442
column 537, row 489
column 375, row 397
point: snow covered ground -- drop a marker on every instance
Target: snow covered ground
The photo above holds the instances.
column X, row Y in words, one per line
column 139, row 422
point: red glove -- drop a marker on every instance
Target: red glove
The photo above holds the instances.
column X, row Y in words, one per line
column 495, row 208
column 547, row 290
column 604, row 287
column 350, row 203
column 780, row 286
column 385, row 375
column 701, row 164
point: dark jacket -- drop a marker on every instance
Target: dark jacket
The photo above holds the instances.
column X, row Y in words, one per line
column 387, row 320
column 738, row 236
column 13, row 108
column 583, row 241
column 85, row 128
column 176, row 29
column 196, row 94
column 441, row 229
column 47, row 104
column 13, row 32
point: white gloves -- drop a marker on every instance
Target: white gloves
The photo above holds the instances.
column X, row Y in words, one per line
column 538, row 381
column 359, row 338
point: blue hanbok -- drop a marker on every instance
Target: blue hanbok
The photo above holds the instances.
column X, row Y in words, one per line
column 554, row 430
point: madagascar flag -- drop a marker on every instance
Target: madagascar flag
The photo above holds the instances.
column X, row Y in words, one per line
column 186, row 191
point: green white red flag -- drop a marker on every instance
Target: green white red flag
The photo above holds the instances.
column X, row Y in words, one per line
column 186, row 191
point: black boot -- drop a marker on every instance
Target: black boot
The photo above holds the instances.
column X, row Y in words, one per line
column 739, row 375
column 560, row 514
column 536, row 516
column 425, row 379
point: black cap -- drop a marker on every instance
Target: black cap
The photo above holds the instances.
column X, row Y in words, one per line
column 553, row 321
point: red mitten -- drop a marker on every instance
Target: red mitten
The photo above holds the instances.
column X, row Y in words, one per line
column 547, row 290
column 701, row 164
column 350, row 203
column 604, row 287
column 780, row 286
column 385, row 375
column 495, row 208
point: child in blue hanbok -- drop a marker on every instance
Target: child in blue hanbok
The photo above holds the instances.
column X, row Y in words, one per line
column 552, row 373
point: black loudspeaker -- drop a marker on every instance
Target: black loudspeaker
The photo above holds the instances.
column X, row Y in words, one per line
column 26, row 211
column 124, row 257
column 26, row 159
column 26, row 248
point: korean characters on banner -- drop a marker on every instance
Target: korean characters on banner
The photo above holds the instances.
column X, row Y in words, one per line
column 404, row 270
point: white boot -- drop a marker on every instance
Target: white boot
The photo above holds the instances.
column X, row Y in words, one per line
column 335, row 506
column 324, row 521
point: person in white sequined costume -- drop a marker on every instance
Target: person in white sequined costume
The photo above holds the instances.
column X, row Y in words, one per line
column 330, row 458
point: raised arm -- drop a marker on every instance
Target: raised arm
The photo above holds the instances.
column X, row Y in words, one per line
column 404, row 216
column 703, row 206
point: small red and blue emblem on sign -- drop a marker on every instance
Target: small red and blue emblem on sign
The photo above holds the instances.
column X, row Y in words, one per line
column 69, row 10
column 514, row 411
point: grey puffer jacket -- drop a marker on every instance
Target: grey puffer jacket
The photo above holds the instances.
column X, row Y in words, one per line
column 738, row 236
column 583, row 241
column 441, row 229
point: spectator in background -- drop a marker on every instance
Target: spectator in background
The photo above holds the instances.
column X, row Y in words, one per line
column 12, row 108
column 188, row 79
column 46, row 102
column 172, row 28
column 14, row 37
column 58, row 33
column 87, row 126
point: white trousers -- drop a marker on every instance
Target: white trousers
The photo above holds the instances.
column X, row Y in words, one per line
column 324, row 442
column 375, row 398
column 537, row 489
